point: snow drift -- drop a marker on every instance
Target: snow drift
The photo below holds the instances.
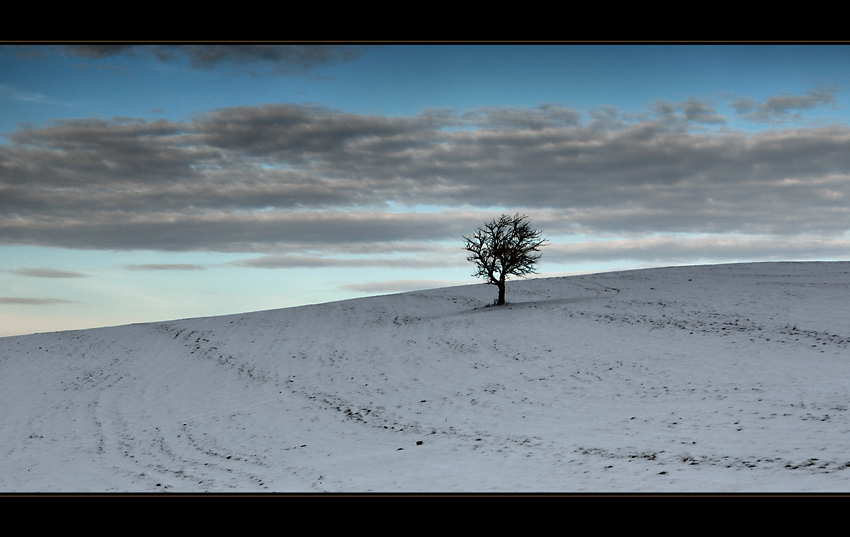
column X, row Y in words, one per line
column 702, row 378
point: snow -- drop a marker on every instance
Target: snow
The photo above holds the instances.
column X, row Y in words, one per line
column 720, row 378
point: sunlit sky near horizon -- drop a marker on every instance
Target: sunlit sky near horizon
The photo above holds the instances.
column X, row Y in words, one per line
column 145, row 183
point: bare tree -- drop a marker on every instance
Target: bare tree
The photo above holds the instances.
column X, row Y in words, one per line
column 502, row 247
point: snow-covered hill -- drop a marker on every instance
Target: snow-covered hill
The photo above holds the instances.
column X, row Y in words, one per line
column 704, row 378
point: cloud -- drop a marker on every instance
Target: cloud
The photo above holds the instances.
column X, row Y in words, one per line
column 256, row 59
column 611, row 118
column 9, row 92
column 779, row 108
column 33, row 301
column 685, row 113
column 545, row 115
column 165, row 266
column 309, row 181
column 98, row 51
column 47, row 273
column 301, row 261
column 282, row 59
column 400, row 286
column 677, row 249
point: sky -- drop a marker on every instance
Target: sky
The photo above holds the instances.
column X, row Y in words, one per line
column 151, row 182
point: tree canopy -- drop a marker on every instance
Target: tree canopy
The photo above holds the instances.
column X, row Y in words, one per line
column 504, row 247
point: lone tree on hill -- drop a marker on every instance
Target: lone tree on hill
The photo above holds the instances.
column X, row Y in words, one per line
column 502, row 247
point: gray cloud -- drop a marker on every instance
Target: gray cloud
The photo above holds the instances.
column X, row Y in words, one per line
column 687, row 112
column 257, row 59
column 283, row 59
column 98, row 51
column 292, row 261
column 33, row 301
column 232, row 232
column 165, row 266
column 779, row 108
column 272, row 178
column 400, row 286
column 9, row 92
column 610, row 118
column 545, row 115
column 47, row 273
column 673, row 249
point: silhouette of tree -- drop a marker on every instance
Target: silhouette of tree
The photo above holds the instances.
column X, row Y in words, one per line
column 504, row 247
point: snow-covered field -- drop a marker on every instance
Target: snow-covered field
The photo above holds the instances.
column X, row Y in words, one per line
column 706, row 378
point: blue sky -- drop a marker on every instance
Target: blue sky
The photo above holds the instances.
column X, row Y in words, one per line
column 156, row 182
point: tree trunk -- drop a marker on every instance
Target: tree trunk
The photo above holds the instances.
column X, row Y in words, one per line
column 501, row 301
